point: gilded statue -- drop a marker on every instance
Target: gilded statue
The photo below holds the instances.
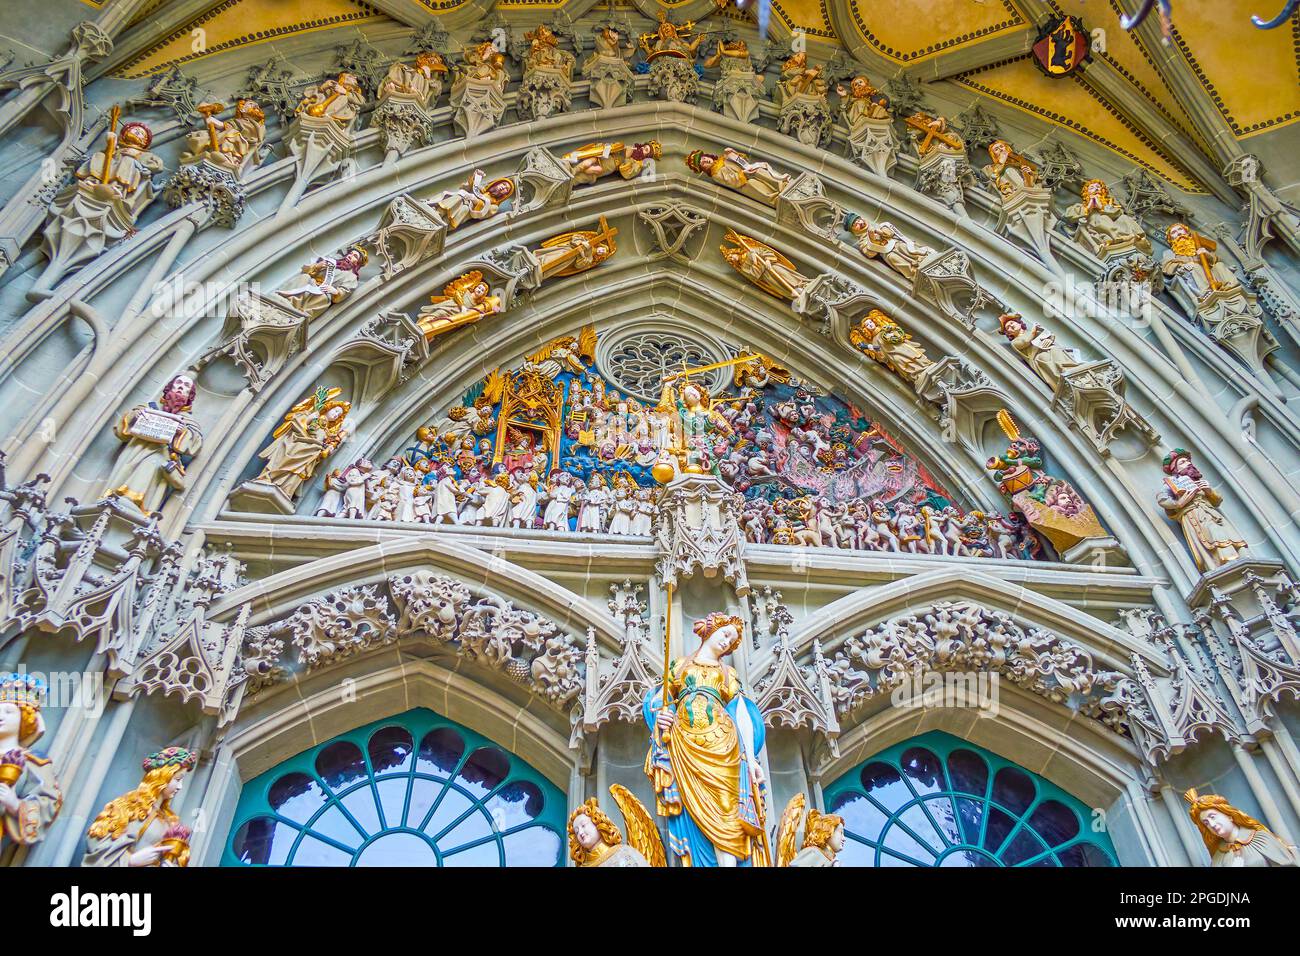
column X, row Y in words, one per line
column 140, row 828
column 160, row 439
column 669, row 40
column 421, row 80
column 594, row 839
column 574, row 252
column 799, row 79
column 1188, row 499
column 931, row 134
column 888, row 343
column 763, row 266
column 1010, row 171
column 339, row 99
column 474, row 200
column 1194, row 265
column 1101, row 223
column 30, row 797
column 591, row 162
column 607, row 69
column 885, row 241
column 1051, row 505
column 1037, row 346
column 544, row 51
column 311, row 432
column 735, row 170
column 705, row 742
column 478, row 94
column 823, row 836
column 464, row 301
column 1233, row 837
column 861, row 101
column 326, row 282
column 232, row 144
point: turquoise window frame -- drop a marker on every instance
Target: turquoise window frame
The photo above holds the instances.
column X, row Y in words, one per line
column 254, row 798
column 942, row 745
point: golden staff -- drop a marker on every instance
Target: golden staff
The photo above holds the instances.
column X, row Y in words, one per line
column 110, row 146
column 668, row 631
column 688, row 372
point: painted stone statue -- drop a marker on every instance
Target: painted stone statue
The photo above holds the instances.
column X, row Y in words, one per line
column 311, row 432
column 30, row 797
column 823, row 836
column 548, row 75
column 887, row 342
column 476, row 199
column 1037, row 346
column 1233, row 837
column 464, row 301
column 735, row 170
column 339, row 99
column 706, row 740
column 595, row 160
column 161, row 439
column 1189, row 500
column 1101, row 224
column 404, row 103
column 1194, row 266
column 140, row 828
column 594, row 839
column 478, row 94
column 607, row 69
column 800, row 96
column 670, row 60
column 886, row 242
column 737, row 90
column 870, row 124
column 420, row 81
column 571, row 253
column 1051, row 505
column 763, row 266
column 326, row 282
column 232, row 144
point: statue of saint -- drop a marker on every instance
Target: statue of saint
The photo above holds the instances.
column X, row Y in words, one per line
column 421, row 80
column 594, row 839
column 1233, row 837
column 1191, row 262
column 30, row 797
column 885, row 341
column 861, row 101
column 161, row 439
column 474, row 200
column 329, row 280
column 764, row 266
column 1188, row 499
column 799, row 79
column 1101, row 222
column 705, row 742
column 667, row 40
column 884, row 240
column 339, row 99
column 121, row 172
column 1038, row 347
column 140, row 828
column 571, row 253
column 591, row 162
column 311, row 432
column 735, row 170
column 1010, row 171
column 230, row 143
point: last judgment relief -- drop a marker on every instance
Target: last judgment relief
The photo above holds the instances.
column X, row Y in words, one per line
column 553, row 444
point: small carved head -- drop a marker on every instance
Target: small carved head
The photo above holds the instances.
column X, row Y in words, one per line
column 590, row 828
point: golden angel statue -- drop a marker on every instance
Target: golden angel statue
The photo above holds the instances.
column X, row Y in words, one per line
column 764, row 266
column 706, row 741
column 463, row 302
column 823, row 836
column 140, row 828
column 311, row 432
column 594, row 839
column 573, row 252
column 1188, row 499
column 1233, row 837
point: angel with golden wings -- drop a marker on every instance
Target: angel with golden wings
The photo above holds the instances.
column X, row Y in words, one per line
column 764, row 266
column 573, row 252
column 822, row 841
column 594, row 839
column 463, row 302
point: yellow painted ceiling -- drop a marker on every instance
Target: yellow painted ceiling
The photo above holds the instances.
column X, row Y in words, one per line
column 908, row 30
column 1021, row 84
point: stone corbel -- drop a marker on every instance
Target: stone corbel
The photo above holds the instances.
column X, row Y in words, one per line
column 409, row 232
column 382, row 354
column 1232, row 318
column 320, row 146
column 873, row 145
column 672, row 224
column 546, row 91
column 674, row 79
column 1092, row 398
column 217, row 187
column 1262, row 210
column 698, row 531
column 260, row 335
column 807, row 117
column 544, row 182
column 804, row 205
column 404, row 121
column 947, row 281
column 833, row 301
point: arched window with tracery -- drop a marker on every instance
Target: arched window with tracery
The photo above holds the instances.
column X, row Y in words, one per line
column 412, row 790
column 936, row 800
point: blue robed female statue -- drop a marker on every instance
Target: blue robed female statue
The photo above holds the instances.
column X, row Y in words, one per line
column 703, row 759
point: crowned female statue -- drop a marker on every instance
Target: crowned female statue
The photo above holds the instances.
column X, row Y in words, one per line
column 1233, row 837
column 30, row 797
column 140, row 828
column 705, row 740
